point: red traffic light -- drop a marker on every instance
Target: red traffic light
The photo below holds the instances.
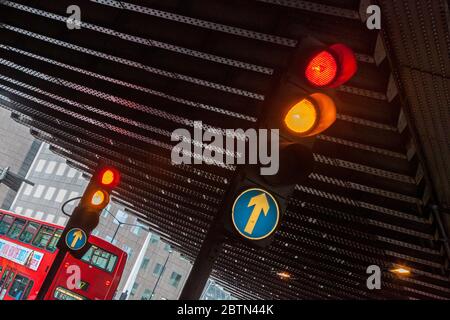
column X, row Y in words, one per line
column 109, row 177
column 321, row 69
column 331, row 67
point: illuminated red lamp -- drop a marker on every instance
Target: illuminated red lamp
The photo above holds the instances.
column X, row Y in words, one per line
column 331, row 67
column 109, row 177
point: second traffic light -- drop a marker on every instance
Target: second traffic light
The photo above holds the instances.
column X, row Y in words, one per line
column 301, row 106
column 86, row 215
column 303, row 102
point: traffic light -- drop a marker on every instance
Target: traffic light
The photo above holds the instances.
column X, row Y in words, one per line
column 86, row 215
column 302, row 105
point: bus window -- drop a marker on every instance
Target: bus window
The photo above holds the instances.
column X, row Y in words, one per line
column 18, row 287
column 5, row 224
column 16, row 228
column 44, row 235
column 88, row 255
column 5, row 281
column 27, row 290
column 100, row 258
column 29, row 232
column 52, row 244
column 112, row 263
column 64, row 294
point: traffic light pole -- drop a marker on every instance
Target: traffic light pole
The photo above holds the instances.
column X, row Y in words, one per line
column 210, row 249
column 51, row 274
column 204, row 263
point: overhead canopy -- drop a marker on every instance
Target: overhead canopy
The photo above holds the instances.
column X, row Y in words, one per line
column 116, row 89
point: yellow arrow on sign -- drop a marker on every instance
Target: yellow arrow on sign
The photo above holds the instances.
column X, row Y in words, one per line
column 76, row 236
column 260, row 204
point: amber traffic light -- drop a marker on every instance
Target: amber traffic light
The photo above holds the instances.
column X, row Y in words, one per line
column 99, row 198
column 311, row 115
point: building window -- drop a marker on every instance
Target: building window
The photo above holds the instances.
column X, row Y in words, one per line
column 38, row 215
column 61, row 221
column 138, row 228
column 158, row 269
column 154, row 238
column 72, row 172
column 133, row 290
column 49, row 194
column 50, row 218
column 128, row 250
column 121, row 216
column 61, row 195
column 51, row 166
column 167, row 247
column 175, row 279
column 28, row 190
column 147, row 295
column 19, row 210
column 61, row 169
column 39, row 190
column 40, row 165
column 144, row 264
column 28, row 212
column 106, row 211
column 72, row 195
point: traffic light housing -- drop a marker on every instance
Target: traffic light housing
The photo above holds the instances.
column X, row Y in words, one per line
column 301, row 105
column 95, row 198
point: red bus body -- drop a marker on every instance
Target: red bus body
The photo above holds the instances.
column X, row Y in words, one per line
column 27, row 251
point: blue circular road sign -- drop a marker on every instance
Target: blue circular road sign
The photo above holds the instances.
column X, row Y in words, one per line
column 76, row 239
column 255, row 214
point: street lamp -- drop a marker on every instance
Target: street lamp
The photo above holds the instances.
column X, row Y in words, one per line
column 120, row 223
column 161, row 273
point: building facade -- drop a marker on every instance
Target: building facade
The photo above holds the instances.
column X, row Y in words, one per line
column 160, row 273
column 18, row 148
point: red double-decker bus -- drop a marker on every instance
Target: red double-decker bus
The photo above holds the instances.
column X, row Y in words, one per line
column 27, row 251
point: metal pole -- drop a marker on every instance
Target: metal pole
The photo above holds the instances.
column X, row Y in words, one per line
column 204, row 263
column 160, row 274
column 211, row 247
column 51, row 274
column 117, row 229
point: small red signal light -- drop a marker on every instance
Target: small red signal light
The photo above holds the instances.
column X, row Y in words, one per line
column 322, row 69
column 109, row 177
column 331, row 67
